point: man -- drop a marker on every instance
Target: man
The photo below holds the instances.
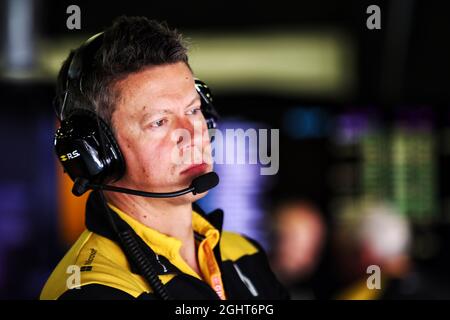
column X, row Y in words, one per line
column 300, row 233
column 139, row 84
column 374, row 249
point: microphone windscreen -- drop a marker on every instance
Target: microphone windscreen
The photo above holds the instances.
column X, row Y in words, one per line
column 80, row 187
column 205, row 182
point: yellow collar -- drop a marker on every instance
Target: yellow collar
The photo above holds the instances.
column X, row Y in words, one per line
column 169, row 246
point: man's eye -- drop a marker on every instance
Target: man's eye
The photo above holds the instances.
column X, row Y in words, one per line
column 158, row 123
column 194, row 111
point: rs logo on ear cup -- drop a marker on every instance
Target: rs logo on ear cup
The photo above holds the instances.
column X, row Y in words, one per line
column 69, row 156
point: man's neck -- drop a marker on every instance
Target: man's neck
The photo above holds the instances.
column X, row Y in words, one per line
column 163, row 215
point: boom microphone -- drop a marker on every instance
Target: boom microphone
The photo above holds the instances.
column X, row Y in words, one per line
column 198, row 185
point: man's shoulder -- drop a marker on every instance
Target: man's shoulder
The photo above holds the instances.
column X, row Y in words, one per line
column 234, row 245
column 93, row 260
column 245, row 257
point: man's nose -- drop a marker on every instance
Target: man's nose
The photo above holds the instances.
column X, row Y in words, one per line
column 187, row 133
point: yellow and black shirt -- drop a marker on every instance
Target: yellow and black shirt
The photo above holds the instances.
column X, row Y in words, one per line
column 232, row 266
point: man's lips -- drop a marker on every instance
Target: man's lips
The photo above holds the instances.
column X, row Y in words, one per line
column 195, row 168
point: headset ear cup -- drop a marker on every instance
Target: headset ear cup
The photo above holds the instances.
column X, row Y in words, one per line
column 113, row 153
column 209, row 111
column 87, row 148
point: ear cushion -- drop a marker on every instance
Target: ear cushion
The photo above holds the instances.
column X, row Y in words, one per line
column 101, row 159
column 208, row 109
column 113, row 155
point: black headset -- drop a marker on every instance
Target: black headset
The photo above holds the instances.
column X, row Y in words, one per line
column 85, row 144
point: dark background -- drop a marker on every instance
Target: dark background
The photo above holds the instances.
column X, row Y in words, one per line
column 401, row 73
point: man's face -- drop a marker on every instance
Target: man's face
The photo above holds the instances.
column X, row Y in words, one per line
column 161, row 130
column 300, row 234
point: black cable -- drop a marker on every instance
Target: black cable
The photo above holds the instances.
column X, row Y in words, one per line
column 133, row 251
